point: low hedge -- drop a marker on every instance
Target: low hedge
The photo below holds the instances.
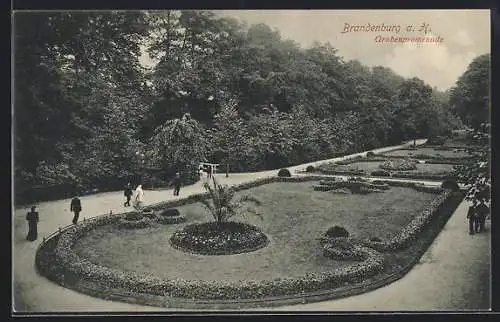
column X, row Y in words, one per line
column 73, row 268
column 420, row 175
column 354, row 186
column 380, row 173
column 409, row 233
column 170, row 220
column 134, row 224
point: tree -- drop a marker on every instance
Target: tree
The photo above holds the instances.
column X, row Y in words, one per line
column 178, row 146
column 470, row 97
column 221, row 204
column 229, row 135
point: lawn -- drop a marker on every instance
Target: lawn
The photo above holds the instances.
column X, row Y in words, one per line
column 368, row 167
column 429, row 152
column 294, row 217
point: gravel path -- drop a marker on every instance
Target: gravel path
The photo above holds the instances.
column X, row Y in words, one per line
column 445, row 279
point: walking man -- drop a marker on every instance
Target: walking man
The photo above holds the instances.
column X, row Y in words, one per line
column 76, row 207
column 482, row 212
column 471, row 216
column 128, row 193
column 177, row 183
column 32, row 218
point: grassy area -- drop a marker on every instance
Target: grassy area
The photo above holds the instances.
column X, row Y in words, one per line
column 368, row 167
column 430, row 152
column 294, row 217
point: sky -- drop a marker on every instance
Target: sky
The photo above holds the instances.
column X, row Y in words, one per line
column 465, row 34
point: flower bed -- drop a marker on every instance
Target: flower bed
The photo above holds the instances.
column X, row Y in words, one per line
column 398, row 165
column 412, row 230
column 213, row 238
column 134, row 224
column 71, row 265
column 353, row 185
column 169, row 220
column 72, row 268
column 420, row 175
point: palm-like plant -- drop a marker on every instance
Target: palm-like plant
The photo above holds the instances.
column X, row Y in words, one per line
column 221, row 204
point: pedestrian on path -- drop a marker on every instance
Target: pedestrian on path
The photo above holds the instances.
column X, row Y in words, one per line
column 482, row 212
column 32, row 218
column 177, row 182
column 128, row 194
column 138, row 197
column 76, row 208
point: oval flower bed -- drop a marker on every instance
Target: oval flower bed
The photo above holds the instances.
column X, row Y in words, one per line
column 224, row 238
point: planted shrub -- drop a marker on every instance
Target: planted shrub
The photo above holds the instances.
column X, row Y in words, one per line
column 284, row 173
column 370, row 154
column 398, row 165
column 380, row 173
column 310, row 168
column 170, row 212
column 450, row 184
column 337, row 232
column 133, row 216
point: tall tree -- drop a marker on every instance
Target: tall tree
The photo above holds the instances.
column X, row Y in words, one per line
column 470, row 97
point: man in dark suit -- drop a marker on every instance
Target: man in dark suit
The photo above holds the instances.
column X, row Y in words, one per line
column 76, row 207
column 128, row 193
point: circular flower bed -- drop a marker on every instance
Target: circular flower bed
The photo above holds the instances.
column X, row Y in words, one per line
column 398, row 165
column 213, row 238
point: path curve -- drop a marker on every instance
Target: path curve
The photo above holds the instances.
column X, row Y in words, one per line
column 443, row 279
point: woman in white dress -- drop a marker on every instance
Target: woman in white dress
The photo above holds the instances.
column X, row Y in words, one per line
column 138, row 197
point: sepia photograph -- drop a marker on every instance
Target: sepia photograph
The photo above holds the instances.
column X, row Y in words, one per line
column 251, row 160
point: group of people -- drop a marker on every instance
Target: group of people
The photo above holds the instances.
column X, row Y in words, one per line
column 76, row 205
column 477, row 215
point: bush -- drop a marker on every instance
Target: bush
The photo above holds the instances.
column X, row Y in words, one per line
column 370, row 154
column 284, row 173
column 450, row 184
column 169, row 212
column 380, row 173
column 399, row 165
column 337, row 232
column 134, row 216
column 310, row 168
column 437, row 140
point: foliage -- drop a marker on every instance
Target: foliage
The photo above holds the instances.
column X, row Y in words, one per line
column 178, row 146
column 284, row 173
column 221, row 205
column 337, row 231
column 470, row 97
column 266, row 102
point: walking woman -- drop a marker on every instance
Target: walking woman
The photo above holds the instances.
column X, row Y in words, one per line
column 139, row 197
column 32, row 218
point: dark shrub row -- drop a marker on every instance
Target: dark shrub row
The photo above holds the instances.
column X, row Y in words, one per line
column 169, row 220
